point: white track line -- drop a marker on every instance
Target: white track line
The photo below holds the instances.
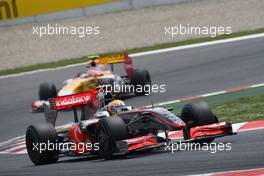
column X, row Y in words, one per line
column 19, row 138
column 236, row 126
column 210, row 94
column 257, row 85
column 254, row 36
column 41, row 70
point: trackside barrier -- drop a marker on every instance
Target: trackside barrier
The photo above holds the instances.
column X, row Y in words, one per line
column 13, row 12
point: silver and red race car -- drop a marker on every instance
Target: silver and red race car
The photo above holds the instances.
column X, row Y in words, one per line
column 130, row 130
column 99, row 73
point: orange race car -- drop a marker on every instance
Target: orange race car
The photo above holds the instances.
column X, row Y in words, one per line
column 99, row 74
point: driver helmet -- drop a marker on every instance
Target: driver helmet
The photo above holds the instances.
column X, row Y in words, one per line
column 94, row 60
column 115, row 106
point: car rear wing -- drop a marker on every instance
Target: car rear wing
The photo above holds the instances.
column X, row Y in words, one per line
column 88, row 102
column 71, row 101
column 117, row 59
column 114, row 59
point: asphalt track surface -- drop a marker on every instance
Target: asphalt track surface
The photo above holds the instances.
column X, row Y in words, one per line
column 185, row 73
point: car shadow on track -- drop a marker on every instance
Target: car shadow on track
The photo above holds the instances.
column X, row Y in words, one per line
column 133, row 155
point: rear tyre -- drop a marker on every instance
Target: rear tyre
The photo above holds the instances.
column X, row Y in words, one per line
column 198, row 114
column 47, row 90
column 42, row 134
column 110, row 130
column 140, row 79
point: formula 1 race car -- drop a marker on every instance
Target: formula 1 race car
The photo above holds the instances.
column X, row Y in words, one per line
column 100, row 73
column 128, row 131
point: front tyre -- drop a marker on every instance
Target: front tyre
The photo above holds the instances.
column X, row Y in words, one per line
column 198, row 114
column 38, row 137
column 108, row 131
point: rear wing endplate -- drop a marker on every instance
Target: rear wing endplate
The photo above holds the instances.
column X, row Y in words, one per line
column 117, row 59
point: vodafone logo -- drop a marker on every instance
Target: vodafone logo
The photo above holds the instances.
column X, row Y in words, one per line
column 72, row 100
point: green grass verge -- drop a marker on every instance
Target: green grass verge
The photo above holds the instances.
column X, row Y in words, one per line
column 240, row 106
column 135, row 50
column 242, row 109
